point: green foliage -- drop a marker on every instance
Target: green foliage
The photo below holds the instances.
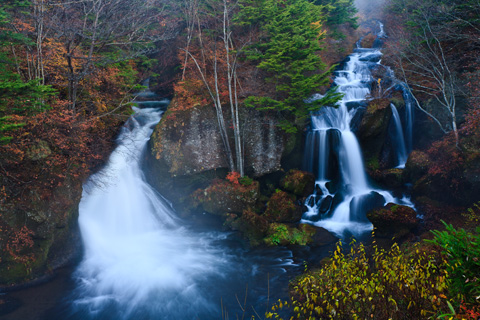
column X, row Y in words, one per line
column 17, row 97
column 462, row 249
column 245, row 181
column 288, row 53
column 281, row 234
column 472, row 215
column 338, row 11
column 389, row 284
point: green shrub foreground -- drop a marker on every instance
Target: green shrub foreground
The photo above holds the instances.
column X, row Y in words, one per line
column 427, row 280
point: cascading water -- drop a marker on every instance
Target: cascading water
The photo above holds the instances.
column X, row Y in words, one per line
column 140, row 263
column 343, row 195
column 399, row 138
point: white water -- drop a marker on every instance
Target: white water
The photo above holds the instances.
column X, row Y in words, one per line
column 400, row 148
column 353, row 196
column 141, row 263
column 135, row 250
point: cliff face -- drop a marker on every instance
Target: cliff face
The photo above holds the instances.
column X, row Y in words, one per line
column 187, row 152
column 39, row 236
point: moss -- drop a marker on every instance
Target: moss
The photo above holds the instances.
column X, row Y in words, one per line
column 373, row 164
column 281, row 234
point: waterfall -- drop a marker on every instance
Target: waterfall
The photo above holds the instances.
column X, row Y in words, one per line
column 409, row 118
column 341, row 200
column 135, row 250
column 142, row 262
column 399, row 141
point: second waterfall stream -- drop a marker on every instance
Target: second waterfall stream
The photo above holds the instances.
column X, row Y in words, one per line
column 343, row 194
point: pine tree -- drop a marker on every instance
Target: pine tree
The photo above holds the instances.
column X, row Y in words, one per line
column 288, row 53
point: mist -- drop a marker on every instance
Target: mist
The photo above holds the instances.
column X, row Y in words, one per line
column 370, row 8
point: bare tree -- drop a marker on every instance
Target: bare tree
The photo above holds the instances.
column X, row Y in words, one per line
column 427, row 71
column 223, row 65
column 99, row 32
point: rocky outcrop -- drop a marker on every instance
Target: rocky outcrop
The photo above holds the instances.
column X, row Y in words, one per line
column 187, row 151
column 373, row 132
column 393, row 220
column 223, row 197
column 40, row 237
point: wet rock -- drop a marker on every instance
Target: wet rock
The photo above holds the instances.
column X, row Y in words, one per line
column 298, row 182
column 325, row 205
column 417, row 165
column 361, row 204
column 187, row 152
column 41, row 239
column 373, row 129
column 393, row 220
column 389, row 178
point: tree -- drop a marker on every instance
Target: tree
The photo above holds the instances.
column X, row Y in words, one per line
column 287, row 52
column 17, row 96
column 216, row 63
column 426, row 66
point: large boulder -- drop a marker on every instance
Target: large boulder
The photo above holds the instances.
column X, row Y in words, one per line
column 186, row 151
column 393, row 220
column 223, row 197
column 373, row 132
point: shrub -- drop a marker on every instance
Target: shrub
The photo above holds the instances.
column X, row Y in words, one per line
column 462, row 250
column 388, row 285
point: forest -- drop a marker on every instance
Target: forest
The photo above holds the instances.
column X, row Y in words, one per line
column 159, row 158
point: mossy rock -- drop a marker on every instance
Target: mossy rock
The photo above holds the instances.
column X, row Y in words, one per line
column 389, row 178
column 300, row 183
column 223, row 196
column 393, row 220
column 282, row 234
column 373, row 130
column 417, row 165
column 252, row 226
column 282, row 207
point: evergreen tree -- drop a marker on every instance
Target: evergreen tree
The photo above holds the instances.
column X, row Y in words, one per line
column 288, row 53
column 17, row 97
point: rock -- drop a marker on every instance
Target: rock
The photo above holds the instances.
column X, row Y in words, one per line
column 282, row 234
column 417, row 165
column 364, row 203
column 390, row 178
column 223, row 197
column 300, row 183
column 37, row 241
column 322, row 237
column 187, row 152
column 373, row 129
column 282, row 208
column 253, row 226
column 368, row 40
column 393, row 220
